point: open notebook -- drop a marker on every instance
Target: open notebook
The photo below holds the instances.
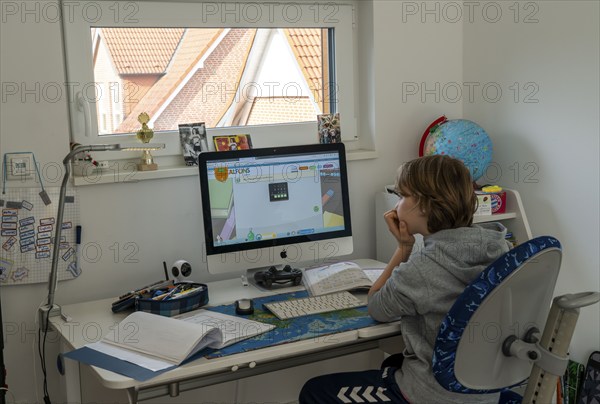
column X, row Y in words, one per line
column 338, row 277
column 157, row 343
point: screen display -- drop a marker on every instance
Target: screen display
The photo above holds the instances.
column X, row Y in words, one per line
column 262, row 197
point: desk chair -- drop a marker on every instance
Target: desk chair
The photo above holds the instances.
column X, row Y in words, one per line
column 490, row 339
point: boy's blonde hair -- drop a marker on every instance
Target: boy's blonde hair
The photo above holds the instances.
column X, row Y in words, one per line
column 443, row 189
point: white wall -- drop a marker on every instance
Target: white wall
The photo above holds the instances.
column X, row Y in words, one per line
column 547, row 150
column 162, row 217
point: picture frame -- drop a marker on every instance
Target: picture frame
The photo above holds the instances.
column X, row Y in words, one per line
column 193, row 141
column 232, row 142
column 329, row 129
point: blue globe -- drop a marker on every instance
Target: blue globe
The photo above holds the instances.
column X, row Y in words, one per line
column 463, row 140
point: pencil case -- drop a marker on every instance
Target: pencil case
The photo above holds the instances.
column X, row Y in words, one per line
column 188, row 302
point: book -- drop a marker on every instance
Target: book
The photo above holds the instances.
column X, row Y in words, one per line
column 232, row 142
column 157, row 342
column 339, row 277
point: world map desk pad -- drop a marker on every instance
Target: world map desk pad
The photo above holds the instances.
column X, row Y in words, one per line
column 300, row 328
column 324, row 325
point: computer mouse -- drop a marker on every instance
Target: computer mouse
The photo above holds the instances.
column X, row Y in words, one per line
column 244, row 306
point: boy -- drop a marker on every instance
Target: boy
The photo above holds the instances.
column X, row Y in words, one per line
column 437, row 201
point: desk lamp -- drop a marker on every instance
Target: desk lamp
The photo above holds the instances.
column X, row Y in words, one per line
column 50, row 309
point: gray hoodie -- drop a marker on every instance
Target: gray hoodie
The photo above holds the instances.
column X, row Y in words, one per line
column 422, row 290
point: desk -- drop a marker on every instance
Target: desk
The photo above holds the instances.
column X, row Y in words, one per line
column 92, row 320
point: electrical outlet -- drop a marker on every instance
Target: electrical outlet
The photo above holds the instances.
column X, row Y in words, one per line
column 19, row 166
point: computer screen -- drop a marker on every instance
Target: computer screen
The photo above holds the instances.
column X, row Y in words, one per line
column 272, row 206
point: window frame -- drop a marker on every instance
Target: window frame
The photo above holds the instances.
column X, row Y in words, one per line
column 197, row 14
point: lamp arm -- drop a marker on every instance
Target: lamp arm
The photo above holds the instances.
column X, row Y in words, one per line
column 59, row 218
column 49, row 310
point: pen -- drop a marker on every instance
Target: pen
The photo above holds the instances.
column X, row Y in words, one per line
column 142, row 288
column 184, row 292
column 166, row 272
column 166, row 296
column 78, row 248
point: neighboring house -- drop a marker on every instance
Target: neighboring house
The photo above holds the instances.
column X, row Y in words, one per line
column 223, row 77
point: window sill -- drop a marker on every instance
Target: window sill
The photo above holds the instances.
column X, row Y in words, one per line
column 112, row 176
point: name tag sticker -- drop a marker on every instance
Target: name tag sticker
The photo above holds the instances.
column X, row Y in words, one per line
column 26, row 241
column 46, row 221
column 27, row 234
column 27, row 248
column 42, row 229
column 43, row 241
column 9, row 243
column 68, row 254
column 27, row 205
column 27, row 221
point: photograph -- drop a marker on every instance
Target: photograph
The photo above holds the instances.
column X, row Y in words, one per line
column 329, row 128
column 193, row 141
column 232, row 142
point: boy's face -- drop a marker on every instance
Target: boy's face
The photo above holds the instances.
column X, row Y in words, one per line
column 408, row 211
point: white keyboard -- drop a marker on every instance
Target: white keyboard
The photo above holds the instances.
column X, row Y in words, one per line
column 287, row 309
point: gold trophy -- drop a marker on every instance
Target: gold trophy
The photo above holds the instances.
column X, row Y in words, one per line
column 145, row 135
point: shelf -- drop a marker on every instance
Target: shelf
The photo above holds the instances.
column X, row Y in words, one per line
column 494, row 217
column 125, row 172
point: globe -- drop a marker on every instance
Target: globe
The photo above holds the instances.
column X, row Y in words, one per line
column 461, row 139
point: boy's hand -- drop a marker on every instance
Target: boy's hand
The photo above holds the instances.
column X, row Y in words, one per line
column 399, row 229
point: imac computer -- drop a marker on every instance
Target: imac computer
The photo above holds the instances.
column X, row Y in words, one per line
column 275, row 206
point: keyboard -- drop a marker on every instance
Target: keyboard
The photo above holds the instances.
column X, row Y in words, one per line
column 287, row 309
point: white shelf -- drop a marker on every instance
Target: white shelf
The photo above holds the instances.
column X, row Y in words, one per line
column 111, row 176
column 494, row 218
column 514, row 219
column 124, row 172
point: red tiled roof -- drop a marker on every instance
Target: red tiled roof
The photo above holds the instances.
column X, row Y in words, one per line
column 307, row 47
column 210, row 91
column 270, row 110
column 142, row 50
column 193, row 45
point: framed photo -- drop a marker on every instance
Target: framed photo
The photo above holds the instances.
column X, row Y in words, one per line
column 329, row 128
column 232, row 142
column 193, row 141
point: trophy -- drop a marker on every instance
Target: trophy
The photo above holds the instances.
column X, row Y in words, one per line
column 145, row 135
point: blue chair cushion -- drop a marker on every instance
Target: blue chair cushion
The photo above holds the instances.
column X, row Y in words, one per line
column 455, row 322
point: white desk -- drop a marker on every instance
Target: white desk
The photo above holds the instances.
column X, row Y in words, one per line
column 92, row 320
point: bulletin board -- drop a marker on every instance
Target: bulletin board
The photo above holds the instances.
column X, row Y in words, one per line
column 28, row 228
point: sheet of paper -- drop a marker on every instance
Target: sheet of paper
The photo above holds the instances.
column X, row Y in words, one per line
column 334, row 278
column 146, row 361
column 373, row 273
column 233, row 328
column 163, row 337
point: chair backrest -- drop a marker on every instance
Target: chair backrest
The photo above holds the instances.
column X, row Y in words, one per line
column 509, row 297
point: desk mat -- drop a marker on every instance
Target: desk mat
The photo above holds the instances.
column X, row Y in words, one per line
column 324, row 325
column 313, row 326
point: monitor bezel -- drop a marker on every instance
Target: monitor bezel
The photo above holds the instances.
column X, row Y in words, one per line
column 207, row 157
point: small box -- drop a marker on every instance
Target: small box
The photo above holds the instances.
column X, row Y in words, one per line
column 491, row 202
column 484, row 204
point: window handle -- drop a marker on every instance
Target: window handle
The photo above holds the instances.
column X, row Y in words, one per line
column 84, row 105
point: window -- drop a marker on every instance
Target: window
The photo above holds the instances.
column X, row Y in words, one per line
column 223, row 77
column 267, row 69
